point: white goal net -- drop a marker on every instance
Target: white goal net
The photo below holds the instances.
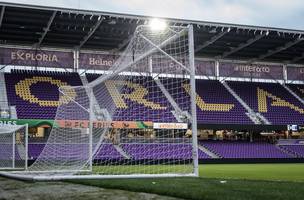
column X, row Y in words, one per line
column 136, row 120
column 13, row 147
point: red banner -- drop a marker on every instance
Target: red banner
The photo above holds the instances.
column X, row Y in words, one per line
column 103, row 124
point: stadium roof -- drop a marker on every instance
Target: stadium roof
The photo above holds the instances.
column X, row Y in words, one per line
column 38, row 26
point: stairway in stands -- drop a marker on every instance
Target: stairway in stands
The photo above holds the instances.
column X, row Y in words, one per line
column 122, row 152
column 207, row 151
column 257, row 118
column 287, row 151
column 293, row 93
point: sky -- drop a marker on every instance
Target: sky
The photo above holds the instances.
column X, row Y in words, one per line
column 270, row 13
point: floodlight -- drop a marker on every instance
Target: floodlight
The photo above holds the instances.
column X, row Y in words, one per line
column 157, row 24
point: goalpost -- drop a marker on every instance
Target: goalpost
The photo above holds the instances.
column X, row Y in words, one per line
column 131, row 121
column 14, row 147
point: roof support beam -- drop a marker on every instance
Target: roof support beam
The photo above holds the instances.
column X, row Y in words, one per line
column 47, row 28
column 279, row 49
column 242, row 45
column 2, row 14
column 124, row 43
column 296, row 59
column 212, row 40
column 91, row 32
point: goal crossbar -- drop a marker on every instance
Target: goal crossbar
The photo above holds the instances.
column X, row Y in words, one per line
column 164, row 43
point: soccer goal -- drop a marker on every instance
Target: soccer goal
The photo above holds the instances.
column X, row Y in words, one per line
column 13, row 147
column 136, row 120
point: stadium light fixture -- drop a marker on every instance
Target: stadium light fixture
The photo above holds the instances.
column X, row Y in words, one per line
column 267, row 33
column 157, row 24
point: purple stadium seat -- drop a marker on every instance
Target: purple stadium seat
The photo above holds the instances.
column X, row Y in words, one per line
column 136, row 111
column 27, row 106
column 240, row 149
column 298, row 89
column 107, row 151
column 297, row 150
column 281, row 107
column 136, row 151
column 161, row 151
column 212, row 92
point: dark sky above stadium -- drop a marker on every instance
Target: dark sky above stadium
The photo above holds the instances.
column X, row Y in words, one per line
column 273, row 13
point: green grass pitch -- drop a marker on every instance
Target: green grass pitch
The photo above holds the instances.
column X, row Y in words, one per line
column 221, row 181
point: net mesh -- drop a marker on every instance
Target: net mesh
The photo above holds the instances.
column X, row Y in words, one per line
column 138, row 113
column 13, row 151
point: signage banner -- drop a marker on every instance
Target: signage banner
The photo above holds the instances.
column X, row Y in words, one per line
column 103, row 124
column 76, row 123
column 106, row 61
column 170, row 125
column 206, row 68
column 39, row 58
column 96, row 61
column 166, row 66
column 251, row 71
column 295, row 73
column 30, row 122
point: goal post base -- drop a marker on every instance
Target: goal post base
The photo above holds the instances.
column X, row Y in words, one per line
column 40, row 177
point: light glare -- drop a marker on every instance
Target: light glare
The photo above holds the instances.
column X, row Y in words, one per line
column 157, row 24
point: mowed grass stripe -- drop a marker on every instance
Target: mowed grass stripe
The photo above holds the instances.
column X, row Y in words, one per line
column 243, row 181
column 274, row 172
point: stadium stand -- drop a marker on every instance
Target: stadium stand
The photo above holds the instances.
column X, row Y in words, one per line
column 297, row 150
column 107, row 151
column 35, row 149
column 224, row 149
column 216, row 105
column 271, row 100
column 136, row 151
column 145, row 110
column 241, row 149
column 5, row 150
column 35, row 93
column 298, row 89
column 161, row 151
